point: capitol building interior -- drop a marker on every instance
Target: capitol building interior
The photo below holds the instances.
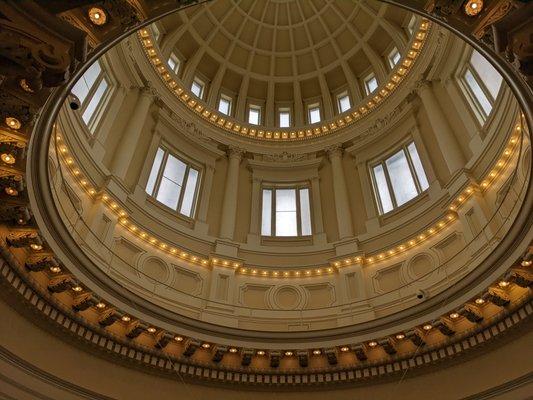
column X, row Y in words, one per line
column 267, row 199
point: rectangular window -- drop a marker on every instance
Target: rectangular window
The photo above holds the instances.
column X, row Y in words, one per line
column 254, row 115
column 399, row 178
column 286, row 212
column 371, row 83
column 483, row 82
column 411, row 25
column 174, row 63
column 173, row 182
column 197, row 88
column 284, row 118
column 343, row 101
column 224, row 105
column 314, row 113
column 156, row 32
column 394, row 57
column 91, row 90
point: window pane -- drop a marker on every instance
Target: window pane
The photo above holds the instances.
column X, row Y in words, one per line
column 95, row 101
column 394, row 57
column 344, row 103
column 411, row 26
column 284, row 119
column 155, row 170
column 382, row 189
column 314, row 115
column 371, row 84
column 478, row 92
column 286, row 224
column 84, row 84
column 305, row 212
column 401, row 179
column 224, row 106
column 266, row 216
column 190, row 190
column 168, row 193
column 197, row 88
column 488, row 74
column 417, row 164
column 174, row 63
column 170, row 188
column 254, row 115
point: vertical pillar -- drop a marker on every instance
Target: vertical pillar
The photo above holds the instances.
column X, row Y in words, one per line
column 451, row 151
column 229, row 204
column 317, row 206
column 201, row 215
column 342, row 204
column 131, row 135
column 256, row 211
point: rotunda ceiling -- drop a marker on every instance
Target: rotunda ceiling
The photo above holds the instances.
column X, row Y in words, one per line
column 289, row 63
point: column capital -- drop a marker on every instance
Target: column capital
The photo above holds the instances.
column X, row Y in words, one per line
column 334, row 151
column 236, row 152
column 422, row 85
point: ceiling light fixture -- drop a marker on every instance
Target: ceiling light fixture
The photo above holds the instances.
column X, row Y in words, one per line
column 13, row 123
column 473, row 7
column 97, row 16
column 8, row 158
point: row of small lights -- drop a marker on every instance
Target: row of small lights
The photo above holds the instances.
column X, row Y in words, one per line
column 418, row 239
column 479, row 301
column 222, row 121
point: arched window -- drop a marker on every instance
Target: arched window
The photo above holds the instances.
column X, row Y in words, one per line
column 398, row 178
column 91, row 89
column 286, row 211
column 173, row 182
column 482, row 84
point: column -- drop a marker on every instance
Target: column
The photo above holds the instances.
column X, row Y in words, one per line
column 255, row 209
column 317, row 206
column 229, row 204
column 342, row 204
column 201, row 215
column 451, row 152
column 131, row 135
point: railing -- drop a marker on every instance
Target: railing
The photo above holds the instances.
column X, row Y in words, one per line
column 81, row 225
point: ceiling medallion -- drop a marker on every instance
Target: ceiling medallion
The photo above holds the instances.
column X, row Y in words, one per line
column 473, row 7
column 13, row 123
column 97, row 16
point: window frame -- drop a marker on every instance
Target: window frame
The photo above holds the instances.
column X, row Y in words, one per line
column 297, row 187
column 390, row 57
column 371, row 76
column 259, row 110
column 284, row 110
column 311, row 107
column 157, row 183
column 202, row 85
column 472, row 99
column 383, row 162
column 102, row 102
column 177, row 62
column 340, row 96
column 230, row 104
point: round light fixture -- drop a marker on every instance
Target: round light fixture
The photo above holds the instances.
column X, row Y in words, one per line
column 8, row 158
column 36, row 246
column 503, row 284
column 97, row 16
column 526, row 263
column 11, row 191
column 233, row 350
column 100, row 305
column 13, row 123
column 427, row 327
column 345, row 349
column 206, row 345
column 372, row 344
column 260, row 353
column 317, row 352
column 151, row 329
column 288, row 353
column 454, row 315
column 126, row 318
column 473, row 7
column 55, row 270
column 178, row 338
column 480, row 300
column 24, row 85
column 400, row 336
column 77, row 288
